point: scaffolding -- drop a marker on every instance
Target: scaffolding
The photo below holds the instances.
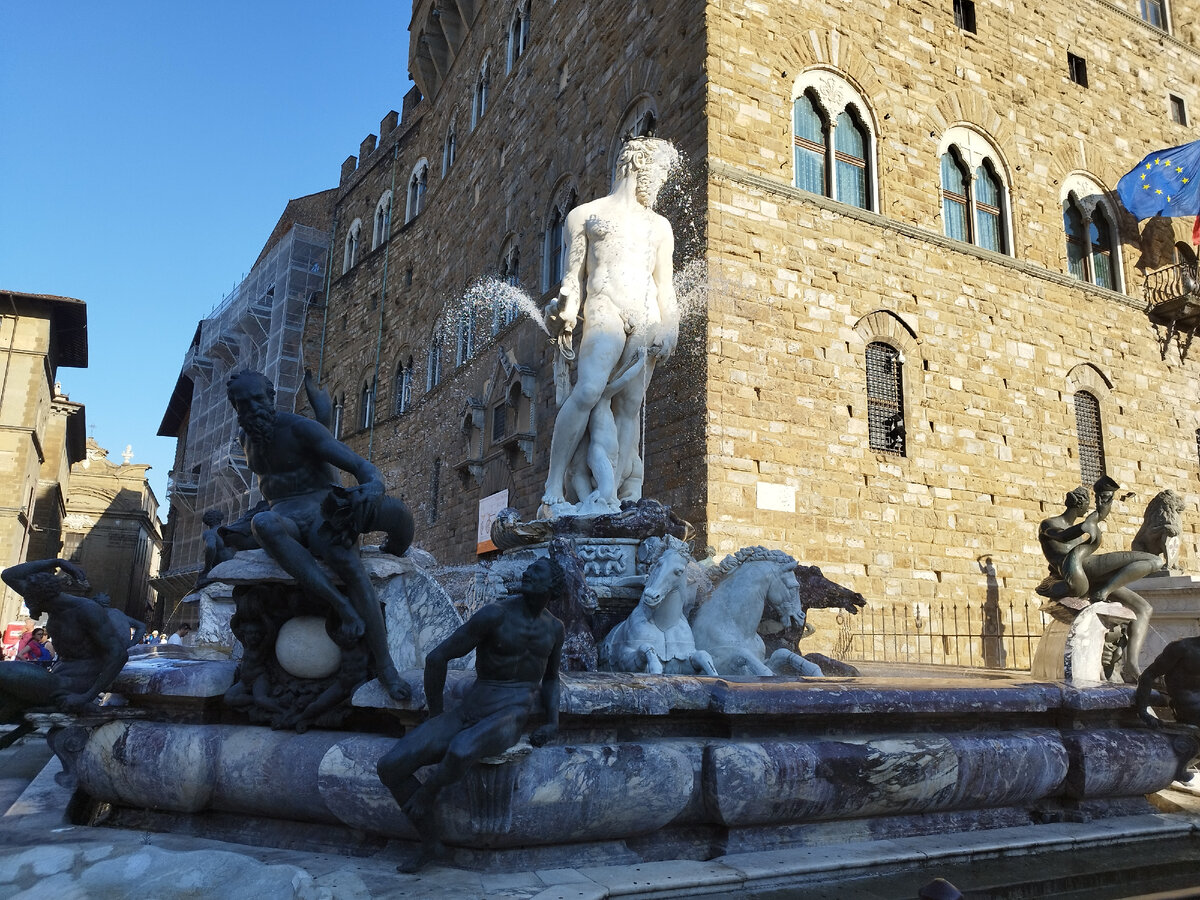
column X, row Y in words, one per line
column 259, row 325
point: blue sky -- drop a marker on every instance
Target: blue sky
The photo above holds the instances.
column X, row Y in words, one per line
column 148, row 148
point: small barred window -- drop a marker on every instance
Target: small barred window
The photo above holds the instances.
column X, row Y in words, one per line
column 1090, row 435
column 885, row 398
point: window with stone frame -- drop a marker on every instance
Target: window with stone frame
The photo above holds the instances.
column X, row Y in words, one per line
column 1089, row 434
column 479, row 95
column 954, row 197
column 518, row 33
column 505, row 309
column 499, row 422
column 351, row 249
column 433, row 363
column 885, row 398
column 449, row 148
column 465, row 338
column 418, row 184
column 555, row 254
column 833, row 145
column 1092, row 248
column 974, row 193
column 1154, row 12
column 403, row 387
column 383, row 220
column 366, row 406
column 339, row 410
column 964, row 15
column 1178, row 109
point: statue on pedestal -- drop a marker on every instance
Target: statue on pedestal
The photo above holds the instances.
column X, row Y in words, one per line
column 1078, row 575
column 312, row 519
column 518, row 650
column 618, row 276
column 91, row 650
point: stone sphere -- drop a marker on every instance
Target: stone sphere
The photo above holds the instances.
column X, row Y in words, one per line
column 305, row 650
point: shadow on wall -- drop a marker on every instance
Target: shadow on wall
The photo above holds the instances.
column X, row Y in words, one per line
column 992, row 628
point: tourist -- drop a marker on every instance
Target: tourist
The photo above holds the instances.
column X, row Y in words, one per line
column 177, row 638
column 36, row 649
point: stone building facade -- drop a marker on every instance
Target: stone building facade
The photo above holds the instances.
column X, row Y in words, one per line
column 924, row 312
column 41, row 431
column 111, row 529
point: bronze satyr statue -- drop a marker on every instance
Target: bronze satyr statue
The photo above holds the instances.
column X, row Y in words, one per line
column 1179, row 667
column 1079, row 575
column 215, row 551
column 91, row 651
column 311, row 516
column 518, row 649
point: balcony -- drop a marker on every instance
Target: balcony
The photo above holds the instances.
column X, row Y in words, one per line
column 1173, row 302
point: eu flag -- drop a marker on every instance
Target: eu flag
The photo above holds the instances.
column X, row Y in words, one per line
column 1165, row 183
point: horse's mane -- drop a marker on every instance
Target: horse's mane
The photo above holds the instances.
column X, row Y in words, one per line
column 753, row 554
column 652, row 549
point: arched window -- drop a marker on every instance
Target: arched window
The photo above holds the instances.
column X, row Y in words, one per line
column 809, row 140
column 556, row 240
column 640, row 120
column 1089, row 432
column 518, row 33
column 954, row 197
column 1087, row 225
column 885, row 398
column 418, row 182
column 505, row 312
column 339, row 410
column 1077, row 254
column 403, row 392
column 353, row 238
column 449, row 148
column 366, row 406
column 850, row 160
column 974, row 192
column 383, row 220
column 832, row 141
column 433, row 367
column 987, row 209
column 479, row 98
column 465, row 342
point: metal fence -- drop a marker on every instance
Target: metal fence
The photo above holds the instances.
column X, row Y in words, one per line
column 988, row 635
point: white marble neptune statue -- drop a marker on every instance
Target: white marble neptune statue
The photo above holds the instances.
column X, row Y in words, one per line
column 618, row 280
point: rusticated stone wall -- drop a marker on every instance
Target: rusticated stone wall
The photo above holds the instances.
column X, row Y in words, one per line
column 994, row 346
column 758, row 430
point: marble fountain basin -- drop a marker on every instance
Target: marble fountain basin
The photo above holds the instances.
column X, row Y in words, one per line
column 644, row 767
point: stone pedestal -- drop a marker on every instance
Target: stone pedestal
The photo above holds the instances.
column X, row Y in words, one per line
column 216, row 609
column 1176, row 602
column 1071, row 648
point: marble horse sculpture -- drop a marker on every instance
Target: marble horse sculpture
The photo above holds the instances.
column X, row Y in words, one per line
column 656, row 638
column 726, row 626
